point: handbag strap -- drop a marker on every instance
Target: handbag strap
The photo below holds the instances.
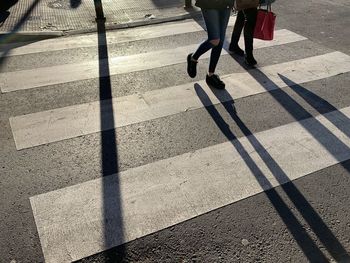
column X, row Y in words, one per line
column 268, row 5
column 268, row 8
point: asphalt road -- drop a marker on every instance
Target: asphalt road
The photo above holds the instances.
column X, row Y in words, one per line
column 306, row 220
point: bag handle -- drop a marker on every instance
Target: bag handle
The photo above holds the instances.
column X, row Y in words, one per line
column 268, row 6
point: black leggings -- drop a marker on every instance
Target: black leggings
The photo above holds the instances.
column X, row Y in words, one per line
column 247, row 19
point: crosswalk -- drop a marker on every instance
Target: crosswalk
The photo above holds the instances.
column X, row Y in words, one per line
column 32, row 129
column 81, row 220
column 39, row 77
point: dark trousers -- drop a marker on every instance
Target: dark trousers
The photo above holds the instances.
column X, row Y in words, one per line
column 245, row 19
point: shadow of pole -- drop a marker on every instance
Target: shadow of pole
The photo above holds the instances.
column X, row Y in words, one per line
column 113, row 231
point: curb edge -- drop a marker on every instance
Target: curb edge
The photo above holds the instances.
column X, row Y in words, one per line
column 24, row 36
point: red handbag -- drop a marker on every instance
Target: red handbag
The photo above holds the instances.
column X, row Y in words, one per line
column 265, row 24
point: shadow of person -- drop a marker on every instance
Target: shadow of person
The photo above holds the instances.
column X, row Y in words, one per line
column 300, row 235
column 75, row 3
column 329, row 141
column 339, row 119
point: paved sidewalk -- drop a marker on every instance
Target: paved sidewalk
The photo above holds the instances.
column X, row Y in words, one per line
column 61, row 16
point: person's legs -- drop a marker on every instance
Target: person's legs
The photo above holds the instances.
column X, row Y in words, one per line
column 211, row 18
column 212, row 79
column 224, row 16
column 236, row 34
column 249, row 26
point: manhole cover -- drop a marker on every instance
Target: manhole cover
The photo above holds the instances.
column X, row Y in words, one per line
column 64, row 4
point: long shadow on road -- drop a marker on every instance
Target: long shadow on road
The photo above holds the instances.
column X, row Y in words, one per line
column 338, row 119
column 113, row 233
column 325, row 235
column 113, row 217
column 319, row 132
column 112, row 207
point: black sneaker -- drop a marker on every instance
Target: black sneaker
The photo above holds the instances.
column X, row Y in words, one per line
column 191, row 66
column 236, row 50
column 214, row 81
column 250, row 60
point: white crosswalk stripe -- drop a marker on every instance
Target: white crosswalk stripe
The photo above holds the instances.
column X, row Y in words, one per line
column 170, row 191
column 69, row 122
column 39, row 77
column 87, row 218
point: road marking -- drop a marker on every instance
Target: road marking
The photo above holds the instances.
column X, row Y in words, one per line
column 113, row 37
column 73, row 121
column 82, row 220
column 45, row 76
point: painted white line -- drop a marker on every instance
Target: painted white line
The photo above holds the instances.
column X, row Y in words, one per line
column 73, row 121
column 38, row 77
column 85, row 219
column 113, row 37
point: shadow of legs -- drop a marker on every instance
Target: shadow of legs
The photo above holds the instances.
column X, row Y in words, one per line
column 309, row 214
column 340, row 120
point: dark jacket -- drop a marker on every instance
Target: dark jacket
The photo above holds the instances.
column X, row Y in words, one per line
column 214, row 4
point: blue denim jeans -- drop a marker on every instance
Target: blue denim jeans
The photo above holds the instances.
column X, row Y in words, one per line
column 216, row 21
